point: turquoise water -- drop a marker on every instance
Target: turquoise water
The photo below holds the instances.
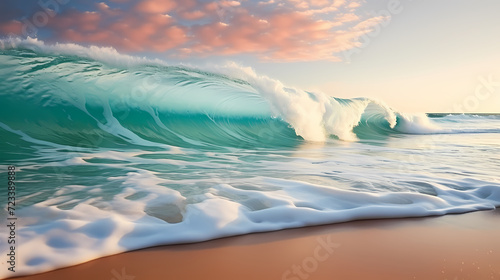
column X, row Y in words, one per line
column 115, row 153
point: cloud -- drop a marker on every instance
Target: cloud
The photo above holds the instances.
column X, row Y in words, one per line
column 154, row 32
column 12, row 27
column 154, row 6
column 277, row 30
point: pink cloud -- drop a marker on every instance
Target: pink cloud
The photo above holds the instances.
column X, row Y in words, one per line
column 293, row 30
column 129, row 31
column 193, row 15
column 155, row 6
column 345, row 18
column 320, row 3
column 226, row 3
column 13, row 27
column 75, row 20
column 106, row 10
column 286, row 36
column 354, row 5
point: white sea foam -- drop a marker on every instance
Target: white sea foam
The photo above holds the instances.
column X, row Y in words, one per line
column 417, row 124
column 95, row 227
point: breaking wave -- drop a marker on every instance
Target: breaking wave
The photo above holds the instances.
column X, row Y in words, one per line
column 67, row 94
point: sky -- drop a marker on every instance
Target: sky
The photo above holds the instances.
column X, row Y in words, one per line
column 415, row 55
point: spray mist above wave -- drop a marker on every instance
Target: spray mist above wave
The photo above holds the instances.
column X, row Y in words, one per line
column 147, row 101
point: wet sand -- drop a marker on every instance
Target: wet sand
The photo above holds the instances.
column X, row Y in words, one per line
column 465, row 246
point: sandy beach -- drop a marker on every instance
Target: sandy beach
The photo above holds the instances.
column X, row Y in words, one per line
column 464, row 246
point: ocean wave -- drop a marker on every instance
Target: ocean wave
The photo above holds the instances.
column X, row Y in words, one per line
column 66, row 92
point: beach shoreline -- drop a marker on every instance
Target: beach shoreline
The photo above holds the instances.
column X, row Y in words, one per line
column 455, row 246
